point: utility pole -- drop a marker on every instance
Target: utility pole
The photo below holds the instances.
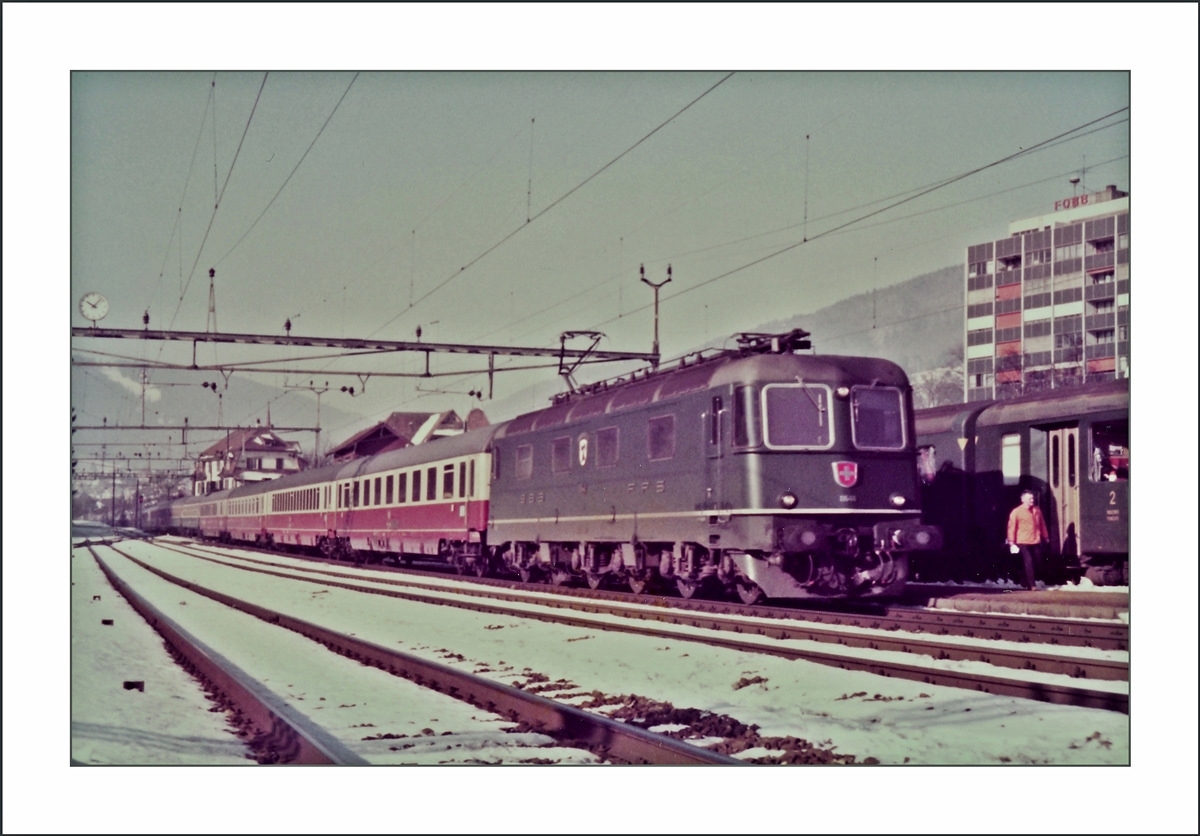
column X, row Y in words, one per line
column 656, row 287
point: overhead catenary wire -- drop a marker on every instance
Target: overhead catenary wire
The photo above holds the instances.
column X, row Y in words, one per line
column 292, row 173
column 892, row 205
column 553, row 204
column 217, row 203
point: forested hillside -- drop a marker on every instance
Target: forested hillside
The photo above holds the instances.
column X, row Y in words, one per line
column 917, row 323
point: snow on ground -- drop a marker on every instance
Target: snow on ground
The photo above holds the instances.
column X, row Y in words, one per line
column 112, row 724
column 797, row 697
column 412, row 725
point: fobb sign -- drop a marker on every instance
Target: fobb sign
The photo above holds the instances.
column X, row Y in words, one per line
column 1072, row 202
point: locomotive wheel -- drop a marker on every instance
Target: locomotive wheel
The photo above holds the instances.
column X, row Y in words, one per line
column 481, row 567
column 687, row 588
column 594, row 580
column 524, row 573
column 750, row 593
column 638, row 585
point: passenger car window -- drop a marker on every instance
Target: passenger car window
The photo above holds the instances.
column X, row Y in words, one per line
column 1010, row 459
column 1110, row 452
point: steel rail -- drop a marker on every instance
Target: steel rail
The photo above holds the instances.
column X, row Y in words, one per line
column 1024, row 658
column 565, row 723
column 280, row 734
column 1020, row 660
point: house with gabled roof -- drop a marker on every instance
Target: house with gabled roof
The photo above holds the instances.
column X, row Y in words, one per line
column 253, row 454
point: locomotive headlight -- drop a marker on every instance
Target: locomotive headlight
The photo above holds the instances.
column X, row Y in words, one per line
column 897, row 500
column 788, row 500
column 808, row 537
column 922, row 537
column 842, row 391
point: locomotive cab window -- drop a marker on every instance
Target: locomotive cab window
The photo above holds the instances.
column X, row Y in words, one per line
column 796, row 416
column 525, row 461
column 745, row 417
column 1110, row 452
column 606, row 447
column 877, row 417
column 560, row 455
column 662, row 438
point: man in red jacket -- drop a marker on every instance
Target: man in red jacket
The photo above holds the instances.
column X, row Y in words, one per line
column 1026, row 533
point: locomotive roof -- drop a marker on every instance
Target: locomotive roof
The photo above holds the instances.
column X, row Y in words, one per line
column 731, row 367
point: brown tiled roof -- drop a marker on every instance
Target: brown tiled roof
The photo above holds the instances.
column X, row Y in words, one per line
column 254, row 439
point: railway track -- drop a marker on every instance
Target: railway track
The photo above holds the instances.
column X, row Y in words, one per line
column 1063, row 631
column 1040, row 673
column 281, row 735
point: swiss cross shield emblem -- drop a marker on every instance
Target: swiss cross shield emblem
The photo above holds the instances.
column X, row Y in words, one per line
column 845, row 473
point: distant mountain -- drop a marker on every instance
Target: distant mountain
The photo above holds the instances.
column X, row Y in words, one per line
column 917, row 323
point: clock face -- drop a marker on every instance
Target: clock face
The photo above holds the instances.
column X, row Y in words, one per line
column 93, row 306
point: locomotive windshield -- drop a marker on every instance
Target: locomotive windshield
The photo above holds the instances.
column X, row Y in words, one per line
column 877, row 417
column 797, row 415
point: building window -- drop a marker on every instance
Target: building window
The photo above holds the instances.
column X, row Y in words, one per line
column 984, row 309
column 981, row 336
